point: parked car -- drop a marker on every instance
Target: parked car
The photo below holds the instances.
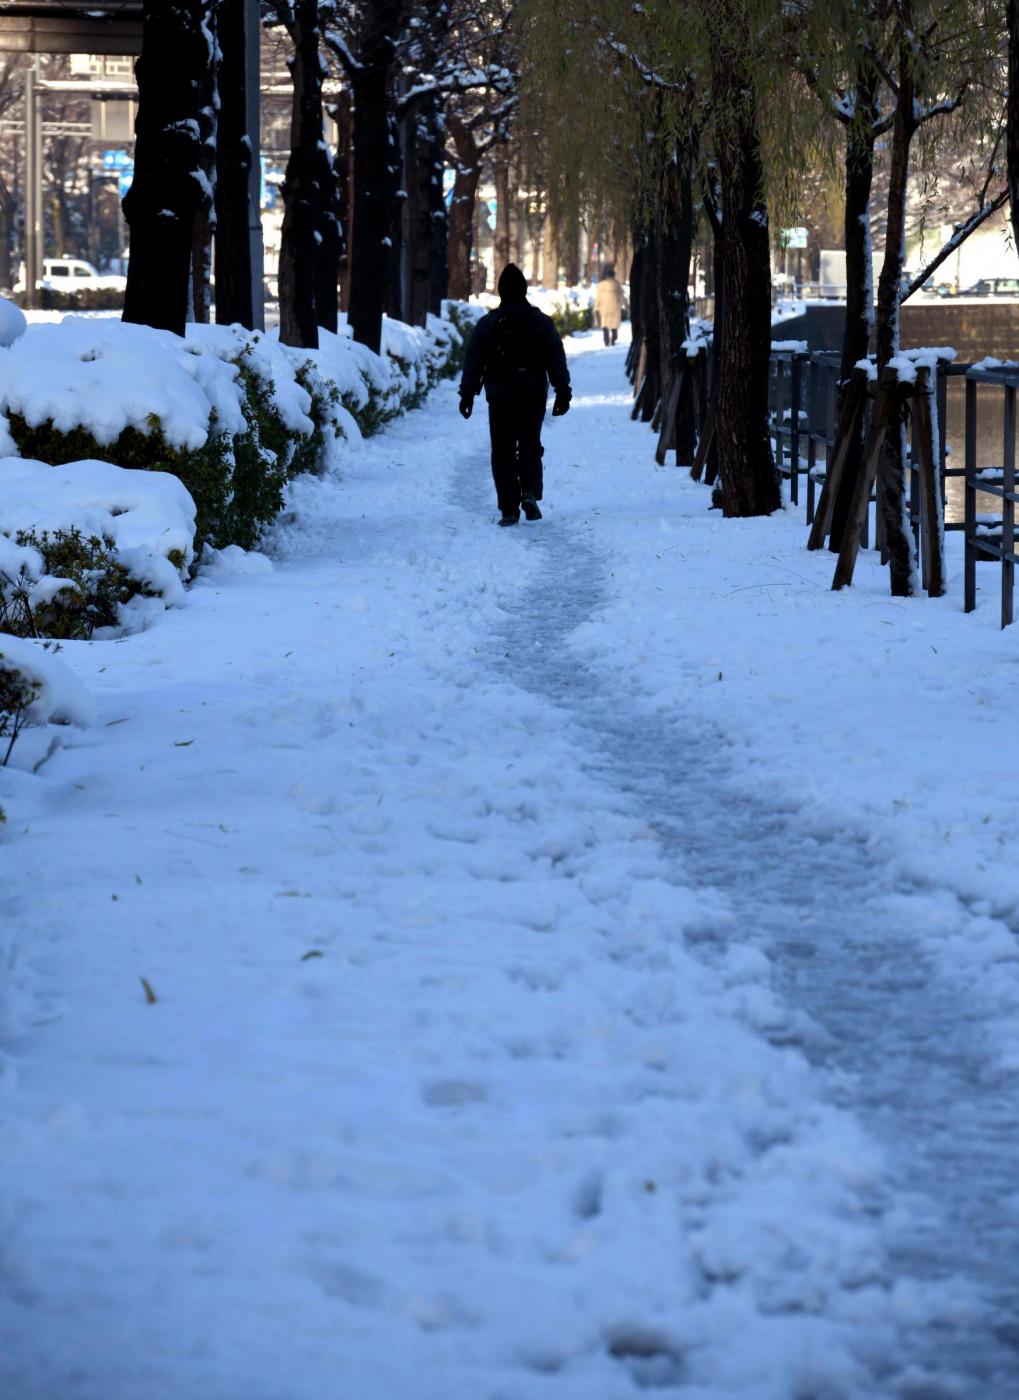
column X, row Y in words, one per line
column 993, row 287
column 73, row 275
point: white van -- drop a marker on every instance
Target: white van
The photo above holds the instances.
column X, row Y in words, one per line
column 73, row 275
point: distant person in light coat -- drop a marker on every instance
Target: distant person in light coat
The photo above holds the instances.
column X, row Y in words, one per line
column 608, row 303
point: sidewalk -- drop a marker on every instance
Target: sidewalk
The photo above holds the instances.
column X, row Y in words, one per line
column 571, row 979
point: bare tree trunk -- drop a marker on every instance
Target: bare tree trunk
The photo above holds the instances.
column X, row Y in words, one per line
column 749, row 480
column 394, row 303
column 342, row 115
column 423, row 213
column 638, row 271
column 439, row 220
column 675, row 218
column 301, row 193
column 200, row 308
column 518, row 227
column 571, row 256
column 205, row 220
column 893, row 491
column 651, row 328
column 861, row 136
column 234, row 296
column 164, row 198
column 7, row 214
column 1012, row 116
column 713, row 210
column 673, row 236
column 376, row 161
column 549, row 254
column 329, row 242
column 501, row 180
column 466, row 179
column 58, row 222
column 533, row 233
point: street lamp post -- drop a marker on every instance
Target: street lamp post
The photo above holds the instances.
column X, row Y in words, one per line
column 253, row 100
column 34, row 251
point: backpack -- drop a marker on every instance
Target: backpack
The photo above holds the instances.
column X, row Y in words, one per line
column 516, row 352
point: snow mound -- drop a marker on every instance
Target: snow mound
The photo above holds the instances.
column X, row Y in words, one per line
column 146, row 518
column 234, row 562
column 907, row 362
column 268, row 360
column 12, row 323
column 106, row 376
column 139, row 511
column 61, row 698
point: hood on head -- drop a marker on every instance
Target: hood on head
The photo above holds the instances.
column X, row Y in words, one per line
column 512, row 284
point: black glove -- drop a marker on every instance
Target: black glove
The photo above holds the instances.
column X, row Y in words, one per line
column 466, row 405
column 561, row 405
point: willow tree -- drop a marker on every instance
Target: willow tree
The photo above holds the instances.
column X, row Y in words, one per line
column 1013, row 114
column 908, row 81
column 620, row 157
column 691, row 89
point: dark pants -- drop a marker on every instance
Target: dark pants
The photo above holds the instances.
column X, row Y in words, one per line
column 514, row 422
column 606, row 333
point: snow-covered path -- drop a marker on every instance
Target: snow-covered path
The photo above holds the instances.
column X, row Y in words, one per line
column 527, row 1024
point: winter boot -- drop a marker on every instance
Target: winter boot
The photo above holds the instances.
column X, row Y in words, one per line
column 510, row 517
column 530, row 507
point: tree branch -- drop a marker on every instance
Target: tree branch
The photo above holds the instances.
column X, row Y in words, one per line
column 962, row 232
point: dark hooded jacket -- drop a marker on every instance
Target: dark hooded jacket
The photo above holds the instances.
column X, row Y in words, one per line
column 515, row 348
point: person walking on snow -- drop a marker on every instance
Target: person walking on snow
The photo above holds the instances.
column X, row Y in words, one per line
column 514, row 351
column 608, row 303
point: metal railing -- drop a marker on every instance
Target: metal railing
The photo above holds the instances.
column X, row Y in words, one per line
column 991, row 536
column 804, row 421
column 804, row 398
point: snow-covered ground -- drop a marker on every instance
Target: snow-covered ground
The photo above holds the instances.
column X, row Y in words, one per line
column 584, row 961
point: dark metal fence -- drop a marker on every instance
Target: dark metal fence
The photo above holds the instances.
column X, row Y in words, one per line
column 804, row 412
column 804, row 422
column 990, row 535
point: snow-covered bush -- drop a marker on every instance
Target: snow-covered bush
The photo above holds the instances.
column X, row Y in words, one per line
column 463, row 316
column 77, row 585
column 127, row 394
column 421, row 355
column 36, row 688
column 89, row 546
column 570, row 315
column 12, row 323
column 84, row 299
column 361, row 389
column 232, row 413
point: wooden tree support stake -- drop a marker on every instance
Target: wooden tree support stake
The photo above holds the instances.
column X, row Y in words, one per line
column 849, row 419
column 639, row 379
column 890, row 394
column 667, row 436
column 704, row 445
column 932, row 531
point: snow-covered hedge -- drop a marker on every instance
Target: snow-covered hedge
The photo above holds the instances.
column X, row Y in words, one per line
column 232, row 413
column 89, row 546
column 464, row 316
column 36, row 688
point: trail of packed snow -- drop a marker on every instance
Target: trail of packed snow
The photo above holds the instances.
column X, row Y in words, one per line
column 570, row 981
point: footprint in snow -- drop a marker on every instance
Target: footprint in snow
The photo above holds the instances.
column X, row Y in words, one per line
column 451, row 1093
